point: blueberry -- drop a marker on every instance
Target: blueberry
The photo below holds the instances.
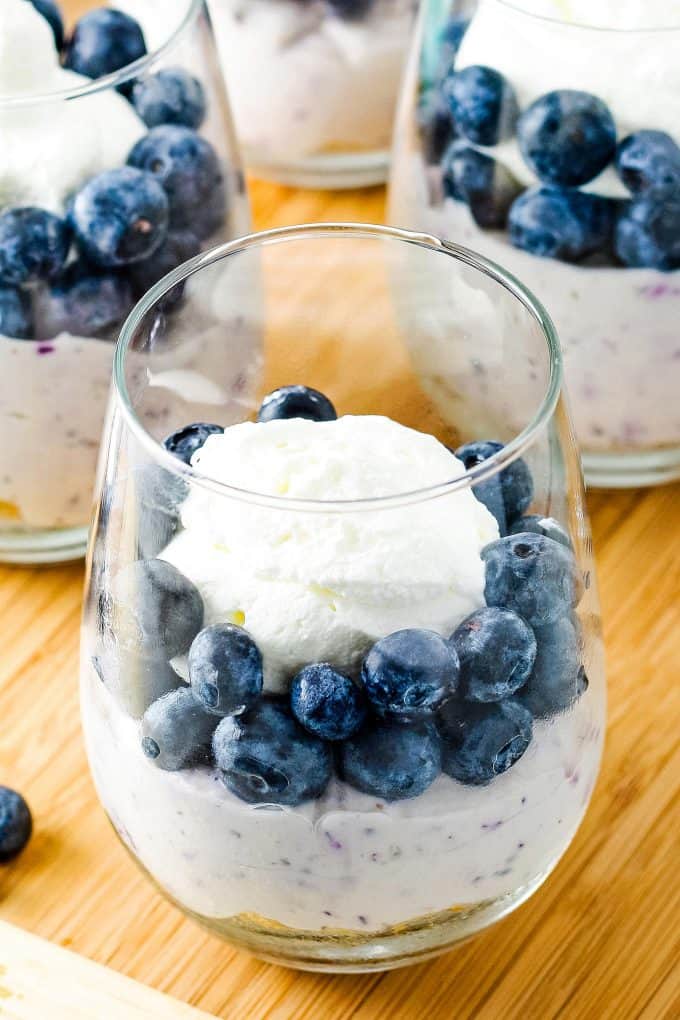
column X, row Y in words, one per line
column 177, row 732
column 436, row 127
column 532, row 575
column 159, row 495
column 351, row 10
column 266, row 757
column 479, row 742
column 326, row 702
column 648, row 234
column 296, row 402
column 104, row 41
column 156, row 610
column 648, row 162
column 391, row 761
column 136, row 682
column 560, row 223
column 176, row 249
column 225, row 669
column 84, row 302
column 188, row 168
column 567, row 137
column 33, row 245
column 547, row 526
column 119, row 217
column 16, row 319
column 496, row 649
column 558, row 678
column 482, row 103
column 409, row 674
column 451, row 37
column 171, row 96
column 16, row 824
column 184, row 442
column 52, row 15
column 484, row 184
column 516, row 483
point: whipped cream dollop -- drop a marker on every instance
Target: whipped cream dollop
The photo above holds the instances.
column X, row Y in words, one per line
column 317, row 585
column 624, row 53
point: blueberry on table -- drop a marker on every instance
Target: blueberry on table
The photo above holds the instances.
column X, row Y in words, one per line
column 177, row 247
column 547, row 526
column 177, row 732
column 409, row 674
column 184, row 442
column 480, row 742
column 648, row 163
column 516, row 483
column 327, row 703
column 562, row 223
column 52, row 15
column 482, row 183
column 266, row 757
column 34, row 244
column 532, row 575
column 496, row 649
column 483, row 104
column 16, row 318
column 558, row 677
column 188, row 168
column 157, row 611
column 119, row 217
column 296, row 402
column 567, row 137
column 391, row 761
column 84, row 302
column 16, row 824
column 171, row 96
column 648, row 234
column 104, row 41
column 225, row 669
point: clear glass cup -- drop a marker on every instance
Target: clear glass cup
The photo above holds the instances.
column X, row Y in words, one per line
column 317, row 556
column 55, row 368
column 616, row 311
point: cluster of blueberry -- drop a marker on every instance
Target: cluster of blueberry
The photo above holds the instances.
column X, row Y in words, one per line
column 127, row 227
column 423, row 704
column 567, row 138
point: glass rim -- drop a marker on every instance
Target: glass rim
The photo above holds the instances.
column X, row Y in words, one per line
column 115, row 78
column 492, row 466
column 516, row 5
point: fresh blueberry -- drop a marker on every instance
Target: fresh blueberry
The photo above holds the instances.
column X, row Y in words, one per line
column 34, row 244
column 547, row 526
column 496, row 649
column 83, row 302
column 567, row 137
column 648, row 162
column 52, row 15
column 484, row 184
column 351, row 10
column 532, row 575
column 16, row 824
column 326, row 702
column 436, row 127
column 171, row 96
column 558, row 677
column 490, row 492
column 189, row 170
column 479, row 742
column 16, row 319
column 157, row 611
column 176, row 249
column 119, row 217
column 516, row 483
column 296, row 402
column 177, row 732
column 103, row 41
column 409, row 674
column 561, row 223
column 648, row 234
column 266, row 757
column 225, row 669
column 389, row 760
column 184, row 442
column 134, row 681
column 451, row 37
column 483, row 104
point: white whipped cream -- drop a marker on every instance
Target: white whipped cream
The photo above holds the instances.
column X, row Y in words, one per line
column 541, row 45
column 321, row 586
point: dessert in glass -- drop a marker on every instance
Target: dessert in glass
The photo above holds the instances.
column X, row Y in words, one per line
column 342, row 680
column 546, row 134
column 116, row 165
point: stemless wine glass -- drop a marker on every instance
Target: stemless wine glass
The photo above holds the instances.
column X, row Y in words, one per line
column 443, row 779
column 60, row 314
column 589, row 221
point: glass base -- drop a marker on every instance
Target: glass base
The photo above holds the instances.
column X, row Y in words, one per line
column 49, row 546
column 631, row 470
column 328, row 171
